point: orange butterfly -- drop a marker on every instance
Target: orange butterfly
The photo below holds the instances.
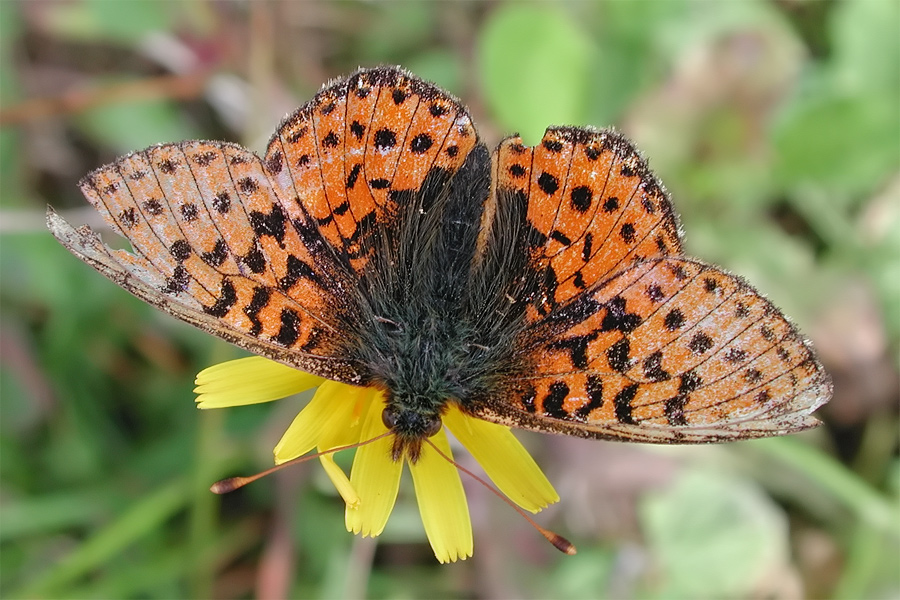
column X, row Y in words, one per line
column 379, row 243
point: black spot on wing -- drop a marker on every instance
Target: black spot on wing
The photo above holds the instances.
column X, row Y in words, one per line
column 617, row 318
column 260, row 300
column 178, row 282
column 735, row 355
column 153, row 207
column 622, row 403
column 588, row 247
column 576, row 347
column 188, row 211
column 353, row 176
column 552, row 145
column 674, row 407
column 272, row 224
column 217, row 255
column 180, row 250
column 222, row 203
column 527, row 397
column 548, row 183
column 421, row 143
column 560, row 237
column 553, row 402
column 331, row 140
column 655, row 293
column 618, row 355
column 399, row 96
column 290, row 328
column 652, row 366
column 255, row 260
column 700, row 343
column 581, row 198
column 247, row 185
column 576, row 311
column 227, row 298
column 384, row 139
column 128, row 218
column 275, row 163
column 674, row 319
column 753, row 375
column 594, row 389
column 296, row 270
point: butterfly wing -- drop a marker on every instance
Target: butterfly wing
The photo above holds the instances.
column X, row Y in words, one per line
column 592, row 208
column 268, row 254
column 212, row 247
column 669, row 350
column 623, row 338
column 360, row 148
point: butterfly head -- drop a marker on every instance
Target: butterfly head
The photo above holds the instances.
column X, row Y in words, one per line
column 410, row 426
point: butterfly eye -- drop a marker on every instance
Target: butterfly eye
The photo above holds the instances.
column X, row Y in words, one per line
column 432, row 427
column 389, row 418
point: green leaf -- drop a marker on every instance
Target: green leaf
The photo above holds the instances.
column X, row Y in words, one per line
column 866, row 46
column 714, row 536
column 141, row 519
column 846, row 144
column 534, row 68
column 112, row 20
column 125, row 127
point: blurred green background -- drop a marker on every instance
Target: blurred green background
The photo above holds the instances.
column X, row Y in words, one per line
column 774, row 124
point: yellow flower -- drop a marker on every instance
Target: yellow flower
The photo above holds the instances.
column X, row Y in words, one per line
column 341, row 415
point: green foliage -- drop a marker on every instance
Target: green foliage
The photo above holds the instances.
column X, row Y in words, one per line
column 774, row 125
column 538, row 57
column 715, row 536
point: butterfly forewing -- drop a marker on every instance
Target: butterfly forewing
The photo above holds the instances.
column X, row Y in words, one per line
column 593, row 208
column 209, row 233
column 360, row 143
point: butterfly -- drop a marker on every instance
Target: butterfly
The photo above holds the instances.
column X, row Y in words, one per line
column 379, row 242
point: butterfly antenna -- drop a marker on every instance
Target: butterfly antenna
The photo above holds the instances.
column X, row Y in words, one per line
column 232, row 483
column 561, row 543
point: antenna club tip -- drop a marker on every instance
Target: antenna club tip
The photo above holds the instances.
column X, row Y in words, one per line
column 562, row 544
column 226, row 485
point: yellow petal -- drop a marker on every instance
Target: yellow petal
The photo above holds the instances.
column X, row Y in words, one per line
column 249, row 380
column 504, row 459
column 442, row 502
column 326, row 416
column 375, row 476
column 349, row 401
column 340, row 481
column 334, row 437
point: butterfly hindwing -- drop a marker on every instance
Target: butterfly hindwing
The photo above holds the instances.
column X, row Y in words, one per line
column 667, row 350
column 147, row 283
